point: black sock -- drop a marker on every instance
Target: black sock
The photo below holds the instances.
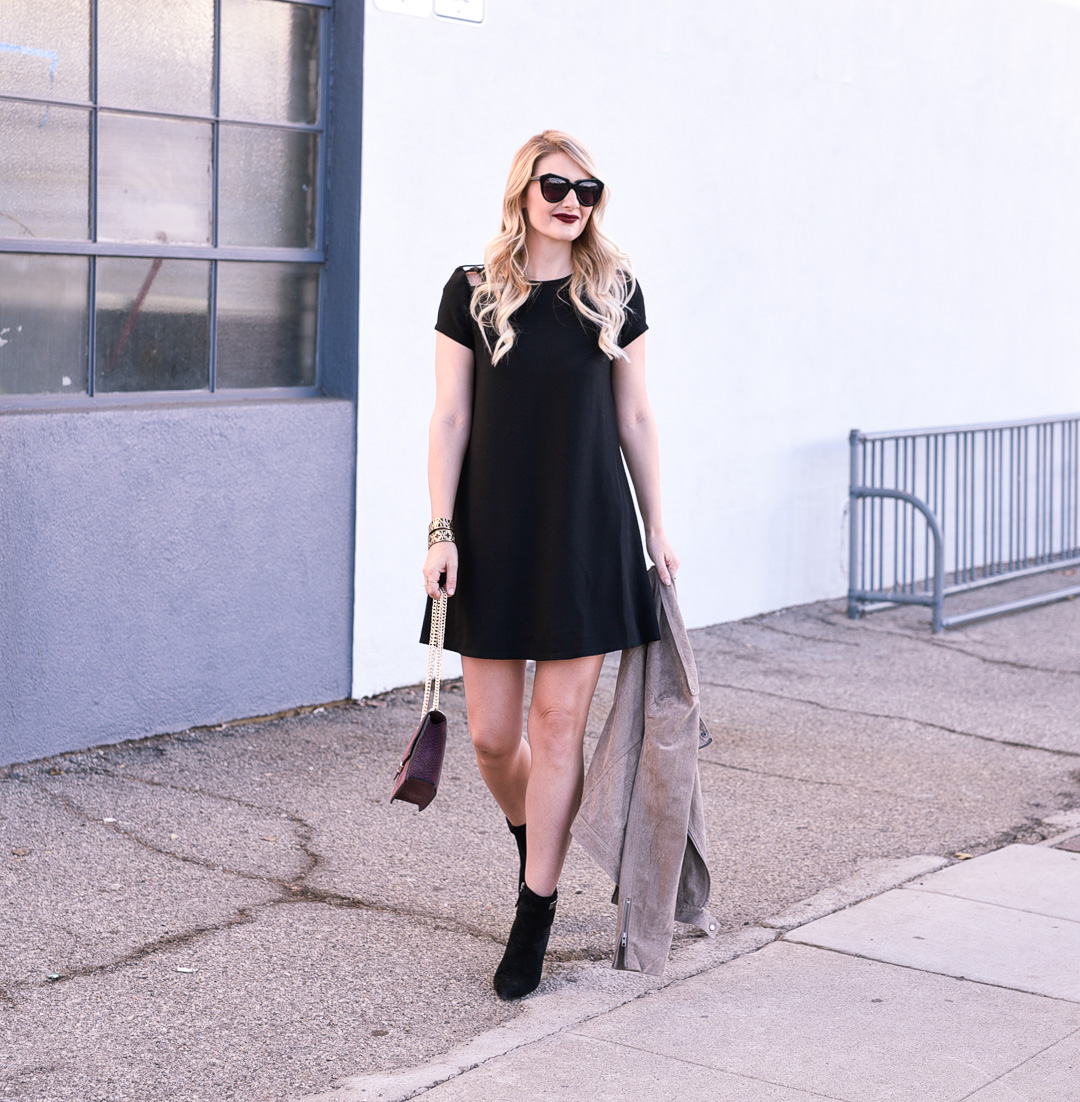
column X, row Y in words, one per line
column 522, row 964
column 519, row 837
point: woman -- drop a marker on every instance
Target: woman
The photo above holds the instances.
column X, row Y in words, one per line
column 540, row 381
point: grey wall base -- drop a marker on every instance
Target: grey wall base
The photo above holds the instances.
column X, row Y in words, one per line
column 167, row 566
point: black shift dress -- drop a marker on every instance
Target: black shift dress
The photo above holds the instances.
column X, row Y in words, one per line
column 550, row 558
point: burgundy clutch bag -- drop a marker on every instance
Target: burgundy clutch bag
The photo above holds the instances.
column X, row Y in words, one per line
column 417, row 777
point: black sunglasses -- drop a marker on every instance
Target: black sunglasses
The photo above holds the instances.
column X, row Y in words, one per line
column 555, row 189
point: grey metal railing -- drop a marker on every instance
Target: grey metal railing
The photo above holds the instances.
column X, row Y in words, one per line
column 935, row 512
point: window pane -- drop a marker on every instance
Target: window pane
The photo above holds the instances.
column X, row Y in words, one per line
column 45, row 189
column 45, row 48
column 269, row 61
column 157, row 55
column 266, row 191
column 153, row 330
column 43, row 324
column 266, row 317
column 154, row 179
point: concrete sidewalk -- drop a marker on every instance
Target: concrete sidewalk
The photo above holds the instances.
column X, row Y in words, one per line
column 238, row 914
column 963, row 984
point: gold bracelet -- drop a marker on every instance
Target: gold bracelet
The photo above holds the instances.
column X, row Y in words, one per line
column 440, row 535
column 441, row 522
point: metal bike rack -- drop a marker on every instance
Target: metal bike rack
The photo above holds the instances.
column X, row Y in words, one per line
column 936, row 512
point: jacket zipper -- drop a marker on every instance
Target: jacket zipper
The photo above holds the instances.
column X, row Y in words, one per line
column 620, row 953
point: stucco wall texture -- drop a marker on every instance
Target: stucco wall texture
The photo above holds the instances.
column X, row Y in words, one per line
column 164, row 566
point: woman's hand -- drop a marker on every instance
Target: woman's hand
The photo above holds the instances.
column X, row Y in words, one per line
column 663, row 556
column 441, row 559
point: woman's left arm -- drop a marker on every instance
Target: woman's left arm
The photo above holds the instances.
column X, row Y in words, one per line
column 637, row 436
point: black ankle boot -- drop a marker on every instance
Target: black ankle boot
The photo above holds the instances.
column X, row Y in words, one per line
column 519, row 837
column 522, row 964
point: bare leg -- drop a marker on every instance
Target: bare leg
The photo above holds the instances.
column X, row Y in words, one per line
column 495, row 699
column 562, row 692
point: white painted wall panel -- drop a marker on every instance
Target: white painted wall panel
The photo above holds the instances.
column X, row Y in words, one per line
column 843, row 213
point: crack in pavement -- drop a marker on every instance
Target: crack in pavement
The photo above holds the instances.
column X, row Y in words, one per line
column 325, row 897
column 932, row 641
column 902, row 719
column 758, row 622
column 188, row 858
column 99, row 770
column 808, row 780
column 911, row 637
column 1016, row 1067
column 942, row 645
column 239, row 917
column 839, row 620
column 746, row 1076
column 1030, row 832
column 292, row 891
column 300, row 892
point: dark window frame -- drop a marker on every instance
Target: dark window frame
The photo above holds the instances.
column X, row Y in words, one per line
column 341, row 381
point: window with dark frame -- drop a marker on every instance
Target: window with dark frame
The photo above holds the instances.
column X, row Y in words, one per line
column 161, row 180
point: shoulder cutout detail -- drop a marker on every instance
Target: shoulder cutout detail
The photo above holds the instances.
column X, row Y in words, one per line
column 473, row 273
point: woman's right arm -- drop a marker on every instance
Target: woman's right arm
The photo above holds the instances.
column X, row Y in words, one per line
column 447, row 439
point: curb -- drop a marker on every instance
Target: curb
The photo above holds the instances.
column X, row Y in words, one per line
column 599, row 989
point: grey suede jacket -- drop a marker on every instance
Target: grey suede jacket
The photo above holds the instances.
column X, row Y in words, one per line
column 641, row 816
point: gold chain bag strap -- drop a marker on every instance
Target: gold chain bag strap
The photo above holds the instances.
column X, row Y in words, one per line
column 434, row 652
column 417, row 777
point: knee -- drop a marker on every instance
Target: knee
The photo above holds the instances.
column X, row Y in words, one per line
column 494, row 745
column 555, row 732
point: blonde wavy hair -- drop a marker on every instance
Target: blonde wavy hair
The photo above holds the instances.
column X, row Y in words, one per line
column 601, row 280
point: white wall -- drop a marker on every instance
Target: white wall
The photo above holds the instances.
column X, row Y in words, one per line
column 844, row 213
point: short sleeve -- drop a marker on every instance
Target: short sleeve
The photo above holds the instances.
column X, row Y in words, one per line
column 635, row 323
column 454, row 320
